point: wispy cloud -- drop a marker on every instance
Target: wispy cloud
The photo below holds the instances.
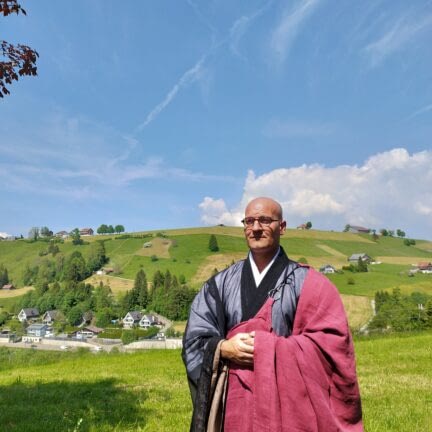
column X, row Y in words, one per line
column 423, row 110
column 190, row 76
column 240, row 27
column 289, row 27
column 399, row 34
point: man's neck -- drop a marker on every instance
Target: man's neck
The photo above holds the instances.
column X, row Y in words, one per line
column 263, row 259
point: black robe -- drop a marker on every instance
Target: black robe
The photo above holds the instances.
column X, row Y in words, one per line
column 225, row 300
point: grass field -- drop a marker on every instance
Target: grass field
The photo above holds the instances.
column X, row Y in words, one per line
column 147, row 391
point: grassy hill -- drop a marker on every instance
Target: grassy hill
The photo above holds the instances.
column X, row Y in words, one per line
column 147, row 391
column 185, row 252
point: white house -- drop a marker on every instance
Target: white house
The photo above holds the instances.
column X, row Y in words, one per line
column 27, row 314
column 148, row 321
column 50, row 316
column 327, row 269
column 132, row 319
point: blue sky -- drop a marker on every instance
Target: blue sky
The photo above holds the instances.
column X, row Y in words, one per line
column 162, row 114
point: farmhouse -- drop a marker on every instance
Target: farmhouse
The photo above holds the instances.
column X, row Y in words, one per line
column 302, row 227
column 355, row 257
column 52, row 315
column 132, row 319
column 327, row 269
column 88, row 332
column 358, row 229
column 62, row 234
column 424, row 267
column 27, row 314
column 86, row 231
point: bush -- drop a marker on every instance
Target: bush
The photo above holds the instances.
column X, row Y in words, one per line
column 154, row 258
column 302, row 260
column 350, row 281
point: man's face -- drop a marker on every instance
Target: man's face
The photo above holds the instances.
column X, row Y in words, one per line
column 261, row 238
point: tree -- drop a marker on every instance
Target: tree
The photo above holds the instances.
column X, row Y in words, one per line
column 383, row 232
column 308, row 225
column 213, row 244
column 33, row 233
column 347, row 228
column 140, row 291
column 76, row 237
column 110, row 229
column 362, row 265
column 119, row 229
column 45, row 232
column 4, row 277
column 400, row 233
column 103, row 229
column 20, row 59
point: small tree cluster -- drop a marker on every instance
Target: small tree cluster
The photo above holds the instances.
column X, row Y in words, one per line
column 4, row 277
column 109, row 229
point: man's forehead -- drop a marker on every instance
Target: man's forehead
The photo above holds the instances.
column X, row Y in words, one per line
column 262, row 205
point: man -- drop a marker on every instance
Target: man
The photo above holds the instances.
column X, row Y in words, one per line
column 267, row 346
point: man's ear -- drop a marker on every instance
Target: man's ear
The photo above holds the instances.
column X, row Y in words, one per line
column 282, row 227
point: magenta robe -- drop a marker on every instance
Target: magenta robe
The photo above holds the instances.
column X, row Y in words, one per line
column 305, row 382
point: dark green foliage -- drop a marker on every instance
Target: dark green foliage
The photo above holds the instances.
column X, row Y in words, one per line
column 397, row 312
column 97, row 256
column 4, row 277
column 132, row 335
column 308, row 225
column 362, row 266
column 154, row 258
column 351, row 281
column 213, row 244
column 75, row 315
column 76, row 237
column 104, row 317
column 119, row 229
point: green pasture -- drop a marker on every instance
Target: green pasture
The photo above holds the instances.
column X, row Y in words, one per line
column 382, row 277
column 147, row 391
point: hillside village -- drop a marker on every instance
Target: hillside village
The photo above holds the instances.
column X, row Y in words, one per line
column 80, row 288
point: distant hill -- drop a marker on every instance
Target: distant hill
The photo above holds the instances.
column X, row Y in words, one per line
column 185, row 252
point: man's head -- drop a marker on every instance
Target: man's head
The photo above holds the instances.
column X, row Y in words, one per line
column 263, row 237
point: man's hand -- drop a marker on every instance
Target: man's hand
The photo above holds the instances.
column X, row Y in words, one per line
column 239, row 349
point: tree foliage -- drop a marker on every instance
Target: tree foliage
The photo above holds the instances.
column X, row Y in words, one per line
column 4, row 277
column 20, row 60
column 213, row 244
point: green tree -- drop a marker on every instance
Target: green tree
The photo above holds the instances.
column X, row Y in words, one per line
column 103, row 229
column 383, row 232
column 141, row 289
column 308, row 225
column 4, row 276
column 74, row 316
column 75, row 268
column 213, row 244
column 119, row 229
column 362, row 266
column 347, row 228
column 110, row 229
column 76, row 237
column 400, row 233
column 45, row 232
column 97, row 256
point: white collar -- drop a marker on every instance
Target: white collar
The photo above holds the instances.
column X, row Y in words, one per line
column 256, row 273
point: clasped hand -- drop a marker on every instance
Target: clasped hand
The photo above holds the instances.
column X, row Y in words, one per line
column 239, row 349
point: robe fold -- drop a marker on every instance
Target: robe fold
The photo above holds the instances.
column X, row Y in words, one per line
column 304, row 376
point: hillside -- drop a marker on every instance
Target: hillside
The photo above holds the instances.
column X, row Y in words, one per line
column 185, row 252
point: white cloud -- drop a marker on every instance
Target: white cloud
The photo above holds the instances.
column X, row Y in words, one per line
column 401, row 33
column 420, row 111
column 289, row 26
column 392, row 189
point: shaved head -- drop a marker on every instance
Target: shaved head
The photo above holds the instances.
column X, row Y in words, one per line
column 268, row 203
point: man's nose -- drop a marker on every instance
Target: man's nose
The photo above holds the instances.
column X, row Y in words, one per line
column 256, row 225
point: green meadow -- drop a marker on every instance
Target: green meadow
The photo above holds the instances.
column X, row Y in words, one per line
column 147, row 391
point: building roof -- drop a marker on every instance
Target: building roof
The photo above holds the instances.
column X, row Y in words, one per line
column 94, row 329
column 36, row 326
column 31, row 312
column 136, row 315
column 8, row 286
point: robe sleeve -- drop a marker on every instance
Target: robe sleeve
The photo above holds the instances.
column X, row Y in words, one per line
column 308, row 380
column 204, row 330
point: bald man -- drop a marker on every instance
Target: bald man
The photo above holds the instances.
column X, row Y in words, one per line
column 267, row 345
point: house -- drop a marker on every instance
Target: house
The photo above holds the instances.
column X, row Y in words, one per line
column 132, row 319
column 302, row 227
column 8, row 287
column 86, row 232
column 353, row 259
column 28, row 314
column 37, row 330
column 327, row 269
column 62, row 234
column 148, row 321
column 52, row 315
column 147, row 244
column 424, row 267
column 358, row 229
column 88, row 332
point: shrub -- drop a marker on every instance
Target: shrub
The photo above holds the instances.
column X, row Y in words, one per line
column 154, row 258
column 350, row 281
